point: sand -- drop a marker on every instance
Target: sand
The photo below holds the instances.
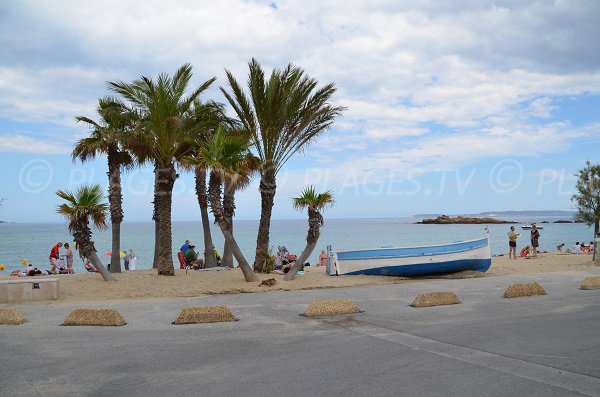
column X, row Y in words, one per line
column 144, row 284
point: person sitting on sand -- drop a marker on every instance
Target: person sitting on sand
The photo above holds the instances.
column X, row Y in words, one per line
column 190, row 255
column 559, row 247
column 89, row 267
column 198, row 264
column 524, row 251
column 577, row 248
column 29, row 269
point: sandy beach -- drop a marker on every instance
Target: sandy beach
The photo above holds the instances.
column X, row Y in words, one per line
column 144, row 284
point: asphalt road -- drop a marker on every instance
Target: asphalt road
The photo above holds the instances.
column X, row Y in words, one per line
column 487, row 346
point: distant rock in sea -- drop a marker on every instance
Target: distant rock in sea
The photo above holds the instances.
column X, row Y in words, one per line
column 446, row 220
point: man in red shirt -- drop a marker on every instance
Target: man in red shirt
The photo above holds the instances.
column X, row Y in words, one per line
column 54, row 256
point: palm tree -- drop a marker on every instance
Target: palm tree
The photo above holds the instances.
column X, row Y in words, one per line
column 315, row 203
column 162, row 138
column 237, row 178
column 202, row 120
column 223, row 155
column 282, row 114
column 107, row 137
column 81, row 207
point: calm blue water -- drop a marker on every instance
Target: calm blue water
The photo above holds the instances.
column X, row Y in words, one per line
column 33, row 241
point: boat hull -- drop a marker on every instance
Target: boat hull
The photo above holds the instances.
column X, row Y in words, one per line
column 472, row 255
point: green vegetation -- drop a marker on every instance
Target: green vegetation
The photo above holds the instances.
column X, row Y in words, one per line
column 587, row 197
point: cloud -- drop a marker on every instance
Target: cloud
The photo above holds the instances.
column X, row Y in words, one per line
column 25, row 144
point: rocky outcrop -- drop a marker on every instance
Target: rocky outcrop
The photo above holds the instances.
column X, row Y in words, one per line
column 446, row 220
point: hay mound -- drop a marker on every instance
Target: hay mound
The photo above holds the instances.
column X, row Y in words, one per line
column 331, row 308
column 525, row 289
column 11, row 316
column 268, row 283
column 204, row 314
column 592, row 282
column 95, row 317
column 435, row 299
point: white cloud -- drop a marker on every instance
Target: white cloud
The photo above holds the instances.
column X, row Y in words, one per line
column 25, row 144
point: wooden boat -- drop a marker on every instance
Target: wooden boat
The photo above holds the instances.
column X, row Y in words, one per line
column 527, row 227
column 413, row 261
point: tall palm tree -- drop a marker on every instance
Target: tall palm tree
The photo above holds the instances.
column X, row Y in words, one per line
column 107, row 137
column 282, row 114
column 81, row 207
column 222, row 155
column 315, row 203
column 161, row 138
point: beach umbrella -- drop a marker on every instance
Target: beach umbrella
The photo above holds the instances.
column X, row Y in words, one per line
column 121, row 254
column 1, row 267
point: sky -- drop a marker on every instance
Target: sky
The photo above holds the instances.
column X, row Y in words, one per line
column 452, row 107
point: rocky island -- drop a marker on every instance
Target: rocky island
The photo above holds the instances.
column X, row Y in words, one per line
column 446, row 220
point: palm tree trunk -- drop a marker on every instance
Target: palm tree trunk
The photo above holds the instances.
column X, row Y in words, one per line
column 314, row 231
column 164, row 195
column 209, row 248
column 214, row 192
column 268, row 186
column 155, row 219
column 115, row 200
column 228, row 211
column 83, row 237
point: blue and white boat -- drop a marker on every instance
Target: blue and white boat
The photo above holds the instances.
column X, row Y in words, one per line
column 413, row 261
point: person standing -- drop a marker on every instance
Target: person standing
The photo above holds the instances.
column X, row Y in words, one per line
column 323, row 258
column 132, row 259
column 512, row 242
column 54, row 257
column 535, row 236
column 69, row 257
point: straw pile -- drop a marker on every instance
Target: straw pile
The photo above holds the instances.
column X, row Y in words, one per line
column 331, row 308
column 592, row 282
column 525, row 289
column 11, row 316
column 435, row 299
column 95, row 317
column 204, row 314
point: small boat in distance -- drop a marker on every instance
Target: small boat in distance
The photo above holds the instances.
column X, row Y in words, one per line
column 412, row 261
column 527, row 227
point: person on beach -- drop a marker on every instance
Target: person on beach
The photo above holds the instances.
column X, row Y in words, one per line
column 69, row 257
column 512, row 242
column 559, row 247
column 577, row 249
column 323, row 258
column 185, row 246
column 131, row 259
column 535, row 236
column 190, row 254
column 54, row 256
column 30, row 270
column 89, row 267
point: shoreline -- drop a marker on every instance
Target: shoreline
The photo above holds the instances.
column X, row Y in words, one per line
column 146, row 284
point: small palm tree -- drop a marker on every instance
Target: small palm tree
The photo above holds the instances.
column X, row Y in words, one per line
column 108, row 137
column 81, row 207
column 283, row 114
column 315, row 203
column 222, row 155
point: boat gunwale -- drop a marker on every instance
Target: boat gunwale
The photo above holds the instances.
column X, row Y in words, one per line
column 422, row 246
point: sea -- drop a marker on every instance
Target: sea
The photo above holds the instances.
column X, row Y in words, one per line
column 32, row 242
